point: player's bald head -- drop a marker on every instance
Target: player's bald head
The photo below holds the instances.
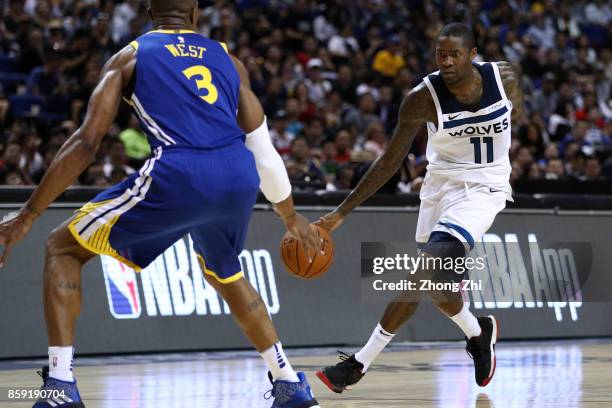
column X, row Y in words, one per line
column 172, row 7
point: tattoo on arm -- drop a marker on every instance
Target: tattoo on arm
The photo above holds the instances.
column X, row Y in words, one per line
column 513, row 88
column 254, row 305
column 29, row 208
column 74, row 286
column 417, row 108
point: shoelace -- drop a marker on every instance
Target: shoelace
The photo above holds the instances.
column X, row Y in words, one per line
column 268, row 394
column 44, row 376
column 343, row 356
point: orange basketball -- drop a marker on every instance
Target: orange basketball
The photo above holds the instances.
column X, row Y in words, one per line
column 296, row 262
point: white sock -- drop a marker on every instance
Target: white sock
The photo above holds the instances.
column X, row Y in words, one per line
column 60, row 363
column 378, row 341
column 278, row 363
column 467, row 322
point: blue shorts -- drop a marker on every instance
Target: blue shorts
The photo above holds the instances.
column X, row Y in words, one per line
column 208, row 194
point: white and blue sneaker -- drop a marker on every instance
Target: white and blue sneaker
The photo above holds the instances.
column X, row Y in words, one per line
column 291, row 394
column 57, row 393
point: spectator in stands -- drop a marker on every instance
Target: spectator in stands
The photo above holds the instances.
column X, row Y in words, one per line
column 94, row 176
column 554, row 170
column 116, row 159
column 535, row 172
column 359, row 119
column 592, row 169
column 4, row 106
column 293, row 112
column 14, row 178
column 531, row 137
column 10, row 163
column 343, row 46
column 344, row 146
column 332, row 67
column 281, row 137
column 573, row 158
column 49, row 153
column 117, row 175
column 329, row 164
column 297, row 24
column 318, row 87
column 314, row 132
column 523, row 159
column 376, row 140
column 44, row 80
column 389, row 61
column 344, row 178
column 345, row 85
column 124, row 13
column 32, row 53
column 546, row 98
column 388, row 109
column 31, row 160
column 303, row 172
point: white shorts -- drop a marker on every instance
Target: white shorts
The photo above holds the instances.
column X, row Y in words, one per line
column 464, row 210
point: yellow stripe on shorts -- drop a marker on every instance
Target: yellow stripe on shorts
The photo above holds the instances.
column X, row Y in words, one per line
column 98, row 242
column 224, row 281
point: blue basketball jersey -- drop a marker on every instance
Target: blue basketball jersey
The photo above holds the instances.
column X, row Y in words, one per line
column 184, row 90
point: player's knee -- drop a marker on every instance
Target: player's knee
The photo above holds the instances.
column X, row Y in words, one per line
column 447, row 253
column 60, row 242
column 444, row 245
column 54, row 242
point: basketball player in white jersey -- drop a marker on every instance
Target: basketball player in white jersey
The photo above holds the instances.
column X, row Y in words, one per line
column 468, row 108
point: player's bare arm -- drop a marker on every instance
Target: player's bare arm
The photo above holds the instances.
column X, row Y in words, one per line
column 512, row 85
column 79, row 150
column 250, row 117
column 418, row 107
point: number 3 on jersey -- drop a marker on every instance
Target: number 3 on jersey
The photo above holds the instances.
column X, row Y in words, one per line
column 477, row 149
column 203, row 80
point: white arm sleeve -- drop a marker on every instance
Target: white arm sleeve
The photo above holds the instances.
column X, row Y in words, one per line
column 275, row 183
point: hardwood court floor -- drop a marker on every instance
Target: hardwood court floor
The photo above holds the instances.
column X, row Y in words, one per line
column 568, row 374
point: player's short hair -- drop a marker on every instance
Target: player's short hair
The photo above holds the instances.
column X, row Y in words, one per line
column 458, row 30
column 169, row 6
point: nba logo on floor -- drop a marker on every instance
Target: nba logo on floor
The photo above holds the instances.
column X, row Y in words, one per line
column 121, row 289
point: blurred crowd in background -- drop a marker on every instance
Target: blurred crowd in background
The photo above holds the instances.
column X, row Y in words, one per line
column 330, row 75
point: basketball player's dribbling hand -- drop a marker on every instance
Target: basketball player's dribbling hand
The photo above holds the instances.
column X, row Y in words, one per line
column 13, row 227
column 305, row 233
column 330, row 221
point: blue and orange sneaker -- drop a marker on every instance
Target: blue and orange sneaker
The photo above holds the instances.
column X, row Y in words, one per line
column 292, row 395
column 57, row 393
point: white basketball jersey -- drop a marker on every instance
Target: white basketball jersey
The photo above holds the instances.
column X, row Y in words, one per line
column 471, row 143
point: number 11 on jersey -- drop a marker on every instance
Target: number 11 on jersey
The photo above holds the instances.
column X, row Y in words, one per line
column 477, row 148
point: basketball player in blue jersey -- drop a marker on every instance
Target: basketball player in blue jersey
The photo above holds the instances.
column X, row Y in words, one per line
column 195, row 104
column 467, row 108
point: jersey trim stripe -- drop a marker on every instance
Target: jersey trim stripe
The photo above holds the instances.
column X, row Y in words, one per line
column 500, row 84
column 224, row 281
column 134, row 45
column 434, row 96
column 151, row 124
column 121, row 204
column 464, row 233
column 476, row 119
column 172, row 31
